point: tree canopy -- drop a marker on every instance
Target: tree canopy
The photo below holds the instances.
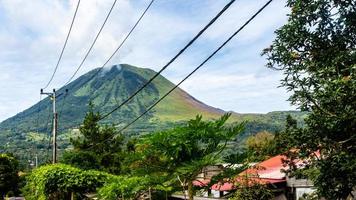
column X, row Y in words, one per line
column 97, row 147
column 316, row 51
column 9, row 178
column 182, row 152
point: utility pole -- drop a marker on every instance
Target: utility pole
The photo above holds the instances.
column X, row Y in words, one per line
column 53, row 96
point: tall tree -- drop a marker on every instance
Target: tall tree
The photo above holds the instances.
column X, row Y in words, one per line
column 95, row 140
column 316, row 51
column 8, row 174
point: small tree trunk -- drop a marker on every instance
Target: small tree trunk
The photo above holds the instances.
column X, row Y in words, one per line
column 149, row 193
column 190, row 190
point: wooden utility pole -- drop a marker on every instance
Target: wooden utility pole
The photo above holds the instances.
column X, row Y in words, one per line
column 53, row 96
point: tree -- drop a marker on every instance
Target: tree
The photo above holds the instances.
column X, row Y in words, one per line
column 9, row 178
column 184, row 151
column 252, row 192
column 103, row 141
column 82, row 159
column 316, row 51
column 260, row 146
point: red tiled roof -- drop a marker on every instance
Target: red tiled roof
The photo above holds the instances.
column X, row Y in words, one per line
column 266, row 172
column 268, row 169
column 223, row 187
column 201, row 183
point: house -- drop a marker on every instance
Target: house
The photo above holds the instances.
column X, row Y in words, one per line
column 269, row 173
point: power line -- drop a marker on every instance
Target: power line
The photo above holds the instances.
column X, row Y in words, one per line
column 122, row 42
column 196, row 69
column 92, row 45
column 172, row 60
column 64, row 46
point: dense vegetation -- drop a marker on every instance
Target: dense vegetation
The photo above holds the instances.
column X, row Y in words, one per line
column 9, row 179
column 162, row 161
column 316, row 50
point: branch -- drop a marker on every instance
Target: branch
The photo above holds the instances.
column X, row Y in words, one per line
column 315, row 104
column 222, row 148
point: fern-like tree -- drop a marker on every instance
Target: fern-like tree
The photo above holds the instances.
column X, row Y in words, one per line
column 316, row 51
column 184, row 151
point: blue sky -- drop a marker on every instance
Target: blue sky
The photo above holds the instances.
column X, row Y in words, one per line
column 32, row 34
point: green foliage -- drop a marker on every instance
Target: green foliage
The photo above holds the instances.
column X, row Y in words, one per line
column 92, row 134
column 81, row 159
column 58, row 181
column 184, row 151
column 253, row 192
column 260, row 146
column 131, row 187
column 198, row 141
column 311, row 196
column 101, row 145
column 317, row 53
column 9, row 178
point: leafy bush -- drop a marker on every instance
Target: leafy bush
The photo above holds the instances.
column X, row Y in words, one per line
column 58, row 181
column 132, row 188
column 124, row 187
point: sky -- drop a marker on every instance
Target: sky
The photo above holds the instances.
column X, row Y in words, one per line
column 32, row 34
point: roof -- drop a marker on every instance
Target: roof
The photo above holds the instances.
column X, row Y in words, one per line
column 201, row 183
column 268, row 169
column 266, row 172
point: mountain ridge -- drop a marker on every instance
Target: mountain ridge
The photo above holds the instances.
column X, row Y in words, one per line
column 109, row 88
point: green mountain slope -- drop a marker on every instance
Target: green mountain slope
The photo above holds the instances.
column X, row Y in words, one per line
column 106, row 90
column 112, row 86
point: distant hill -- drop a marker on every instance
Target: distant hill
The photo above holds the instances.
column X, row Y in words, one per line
column 109, row 88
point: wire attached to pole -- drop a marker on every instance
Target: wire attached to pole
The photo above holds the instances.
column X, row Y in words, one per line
column 64, row 46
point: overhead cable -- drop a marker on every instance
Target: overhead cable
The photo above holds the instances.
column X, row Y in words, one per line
column 64, row 46
column 93, row 43
column 170, row 61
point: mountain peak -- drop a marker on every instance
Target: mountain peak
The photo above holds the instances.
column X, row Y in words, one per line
column 111, row 87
